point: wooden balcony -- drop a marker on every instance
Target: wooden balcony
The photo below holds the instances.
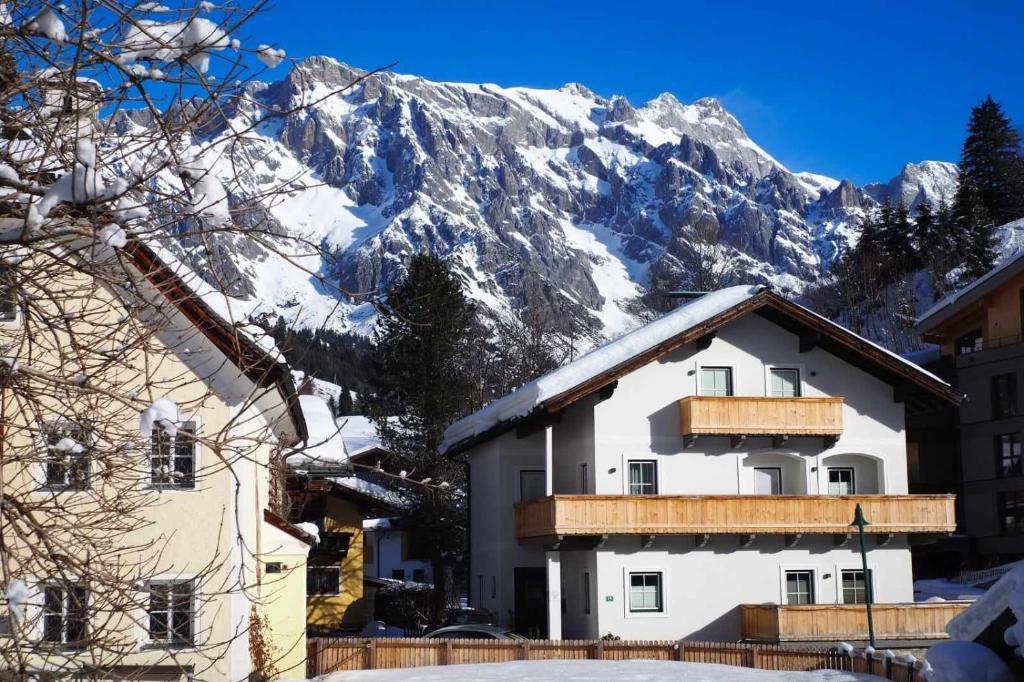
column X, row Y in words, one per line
column 567, row 515
column 847, row 622
column 760, row 416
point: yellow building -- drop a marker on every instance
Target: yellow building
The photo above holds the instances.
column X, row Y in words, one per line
column 198, row 581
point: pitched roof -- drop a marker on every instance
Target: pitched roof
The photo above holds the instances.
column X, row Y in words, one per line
column 597, row 369
column 247, row 347
column 957, row 301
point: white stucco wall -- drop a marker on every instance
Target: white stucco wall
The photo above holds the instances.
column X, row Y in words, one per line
column 704, row 586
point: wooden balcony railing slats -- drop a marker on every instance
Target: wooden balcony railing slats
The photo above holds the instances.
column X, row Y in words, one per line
column 838, row 622
column 760, row 416
column 710, row 514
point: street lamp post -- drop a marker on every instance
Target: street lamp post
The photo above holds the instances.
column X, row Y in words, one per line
column 860, row 522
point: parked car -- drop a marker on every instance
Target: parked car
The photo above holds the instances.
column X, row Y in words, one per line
column 472, row 632
column 468, row 616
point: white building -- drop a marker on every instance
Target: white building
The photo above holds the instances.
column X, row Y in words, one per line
column 390, row 552
column 711, row 459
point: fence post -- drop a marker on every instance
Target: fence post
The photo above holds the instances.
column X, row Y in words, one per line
column 313, row 658
column 371, row 655
column 524, row 650
column 755, row 657
column 447, row 652
column 599, row 650
column 679, row 650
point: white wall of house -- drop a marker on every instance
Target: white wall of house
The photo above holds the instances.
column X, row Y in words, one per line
column 641, row 420
column 387, row 544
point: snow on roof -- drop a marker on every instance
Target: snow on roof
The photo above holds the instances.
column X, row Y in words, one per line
column 979, row 285
column 359, row 434
column 370, row 489
column 324, row 444
column 523, row 400
column 945, row 590
column 970, row 624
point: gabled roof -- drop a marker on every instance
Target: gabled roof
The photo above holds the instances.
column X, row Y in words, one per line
column 958, row 301
column 255, row 356
column 601, row 367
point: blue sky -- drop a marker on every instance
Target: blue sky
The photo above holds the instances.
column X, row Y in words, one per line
column 847, row 89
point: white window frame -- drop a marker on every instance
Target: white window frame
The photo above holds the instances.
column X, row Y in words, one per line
column 146, row 480
column 795, row 366
column 853, row 478
column 40, row 468
column 625, row 474
column 142, row 621
column 627, row 571
column 839, row 580
column 63, row 643
column 815, row 583
column 34, row 610
column 713, row 365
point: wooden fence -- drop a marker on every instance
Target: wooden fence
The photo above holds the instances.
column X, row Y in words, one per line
column 327, row 655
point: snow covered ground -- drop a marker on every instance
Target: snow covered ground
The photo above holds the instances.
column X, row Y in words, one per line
column 592, row 671
column 945, row 590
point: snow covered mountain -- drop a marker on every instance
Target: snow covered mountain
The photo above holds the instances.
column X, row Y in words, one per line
column 563, row 198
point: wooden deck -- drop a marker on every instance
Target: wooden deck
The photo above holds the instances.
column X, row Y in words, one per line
column 760, row 416
column 844, row 622
column 560, row 515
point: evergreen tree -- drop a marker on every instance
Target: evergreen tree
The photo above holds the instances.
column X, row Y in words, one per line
column 345, row 406
column 421, row 345
column 974, row 231
column 990, row 162
column 924, row 231
column 900, row 256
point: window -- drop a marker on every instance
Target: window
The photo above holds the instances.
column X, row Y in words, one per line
column 645, row 592
column 784, row 383
column 841, row 481
column 65, row 614
column 323, row 579
column 799, row 587
column 1008, row 461
column 584, row 478
column 1004, row 395
column 173, row 460
column 419, row 575
column 398, row 574
column 1011, row 512
column 855, row 588
column 768, row 481
column 643, row 477
column 171, row 612
column 8, row 299
column 586, row 592
column 971, row 342
column 716, row 381
column 67, row 455
column 532, row 485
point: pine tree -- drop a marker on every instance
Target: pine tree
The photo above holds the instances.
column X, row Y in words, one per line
column 924, row 231
column 990, row 161
column 900, row 256
column 421, row 348
column 974, row 231
column 345, row 406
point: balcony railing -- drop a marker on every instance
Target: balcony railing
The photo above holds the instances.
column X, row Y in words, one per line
column 566, row 515
column 843, row 622
column 760, row 416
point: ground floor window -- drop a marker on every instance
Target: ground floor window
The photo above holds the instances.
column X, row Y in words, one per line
column 645, row 592
column 64, row 614
column 799, row 587
column 855, row 588
column 323, row 580
column 172, row 612
column 1011, row 511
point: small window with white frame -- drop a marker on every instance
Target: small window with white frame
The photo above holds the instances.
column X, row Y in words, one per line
column 172, row 460
column 67, row 455
column 645, row 592
column 643, row 477
column 65, row 614
column 716, row 381
column 171, row 612
column 784, row 382
column 855, row 588
column 799, row 587
column 841, row 481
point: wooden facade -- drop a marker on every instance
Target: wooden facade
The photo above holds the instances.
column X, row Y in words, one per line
column 845, row 622
column 557, row 515
column 760, row 416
